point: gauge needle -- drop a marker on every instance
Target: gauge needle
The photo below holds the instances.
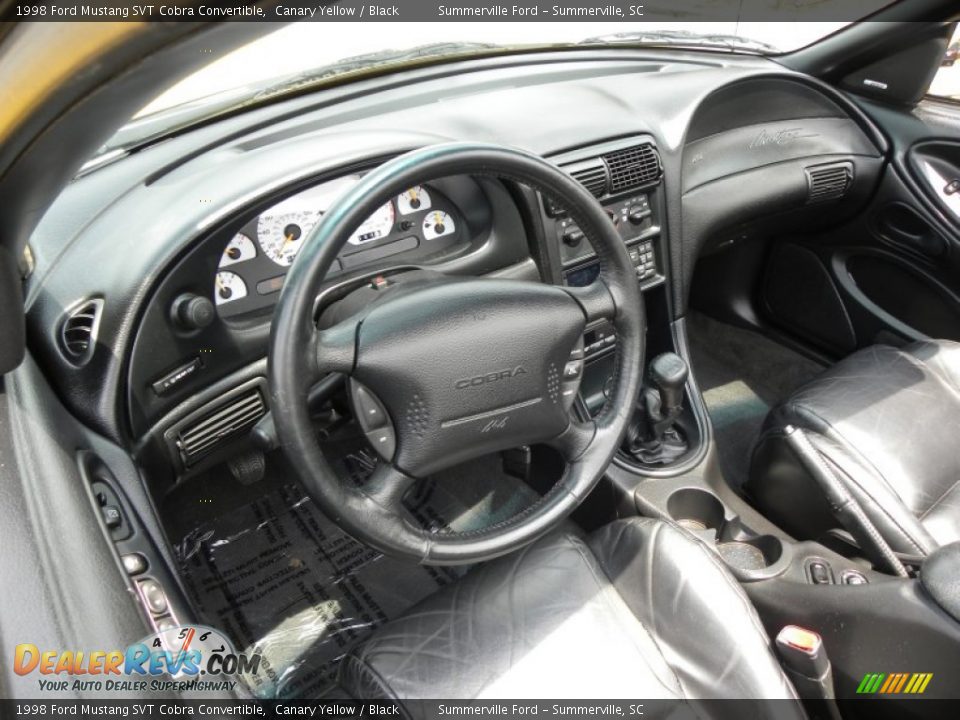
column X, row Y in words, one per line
column 289, row 239
column 219, row 284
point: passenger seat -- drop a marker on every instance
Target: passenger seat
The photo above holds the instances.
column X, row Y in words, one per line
column 887, row 422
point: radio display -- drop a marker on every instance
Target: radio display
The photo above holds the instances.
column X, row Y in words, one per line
column 581, row 277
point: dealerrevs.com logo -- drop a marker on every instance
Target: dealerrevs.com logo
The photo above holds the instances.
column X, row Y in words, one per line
column 186, row 657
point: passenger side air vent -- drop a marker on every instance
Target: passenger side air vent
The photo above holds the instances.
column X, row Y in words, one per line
column 633, row 167
column 201, row 437
column 828, row 182
column 78, row 331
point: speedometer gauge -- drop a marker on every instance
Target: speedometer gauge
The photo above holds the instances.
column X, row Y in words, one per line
column 437, row 224
column 239, row 248
column 375, row 227
column 281, row 236
column 229, row 287
column 413, row 200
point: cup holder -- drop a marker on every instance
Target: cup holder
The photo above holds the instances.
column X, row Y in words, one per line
column 697, row 510
column 751, row 554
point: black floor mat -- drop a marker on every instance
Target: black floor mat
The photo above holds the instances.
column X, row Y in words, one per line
column 278, row 577
column 742, row 375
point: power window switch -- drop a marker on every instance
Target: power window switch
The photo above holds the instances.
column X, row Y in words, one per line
column 820, row 573
column 153, row 596
column 134, row 563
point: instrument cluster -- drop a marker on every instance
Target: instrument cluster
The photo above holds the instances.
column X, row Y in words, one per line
column 419, row 223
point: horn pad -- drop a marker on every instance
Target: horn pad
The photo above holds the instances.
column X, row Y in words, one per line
column 469, row 368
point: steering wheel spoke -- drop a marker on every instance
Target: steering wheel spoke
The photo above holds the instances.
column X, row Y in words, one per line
column 573, row 442
column 335, row 349
column 595, row 300
column 387, row 486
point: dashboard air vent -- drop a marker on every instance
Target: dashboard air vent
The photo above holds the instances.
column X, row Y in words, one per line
column 201, row 437
column 633, row 167
column 828, row 182
column 592, row 174
column 78, row 331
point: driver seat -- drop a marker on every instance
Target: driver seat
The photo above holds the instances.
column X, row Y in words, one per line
column 639, row 609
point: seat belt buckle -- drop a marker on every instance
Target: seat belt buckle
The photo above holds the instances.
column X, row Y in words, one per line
column 804, row 659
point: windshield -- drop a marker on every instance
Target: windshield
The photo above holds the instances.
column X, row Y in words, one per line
column 301, row 55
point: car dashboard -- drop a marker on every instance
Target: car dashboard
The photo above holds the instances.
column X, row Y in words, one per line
column 161, row 344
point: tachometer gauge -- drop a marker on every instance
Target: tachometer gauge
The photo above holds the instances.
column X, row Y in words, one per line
column 240, row 248
column 437, row 224
column 375, row 227
column 413, row 200
column 229, row 287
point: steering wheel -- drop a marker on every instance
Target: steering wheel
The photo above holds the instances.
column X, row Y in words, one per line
column 454, row 368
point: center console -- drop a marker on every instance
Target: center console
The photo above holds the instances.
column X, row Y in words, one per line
column 626, row 176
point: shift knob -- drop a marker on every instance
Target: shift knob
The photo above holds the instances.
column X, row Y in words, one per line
column 668, row 372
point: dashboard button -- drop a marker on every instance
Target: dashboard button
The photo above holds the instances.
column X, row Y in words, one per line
column 172, row 379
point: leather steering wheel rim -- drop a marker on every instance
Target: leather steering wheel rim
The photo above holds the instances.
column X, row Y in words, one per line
column 300, row 355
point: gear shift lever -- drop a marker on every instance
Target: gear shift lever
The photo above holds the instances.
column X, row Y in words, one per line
column 653, row 438
column 668, row 373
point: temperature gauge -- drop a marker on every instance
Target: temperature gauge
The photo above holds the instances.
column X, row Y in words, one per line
column 229, row 287
column 437, row 224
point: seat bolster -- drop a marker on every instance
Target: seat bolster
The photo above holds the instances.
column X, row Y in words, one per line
column 699, row 616
column 886, row 421
column 942, row 357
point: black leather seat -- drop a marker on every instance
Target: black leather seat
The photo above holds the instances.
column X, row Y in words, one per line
column 887, row 421
column 640, row 609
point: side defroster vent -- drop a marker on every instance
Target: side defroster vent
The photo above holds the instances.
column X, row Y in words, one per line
column 202, row 436
column 828, row 182
column 78, row 331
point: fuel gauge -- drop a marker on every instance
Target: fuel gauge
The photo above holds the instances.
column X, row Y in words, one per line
column 229, row 287
column 437, row 224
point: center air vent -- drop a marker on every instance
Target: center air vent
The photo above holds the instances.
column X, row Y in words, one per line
column 828, row 182
column 592, row 174
column 78, row 331
column 201, row 437
column 633, row 167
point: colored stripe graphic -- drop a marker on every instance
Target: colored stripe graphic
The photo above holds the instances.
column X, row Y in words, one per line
column 894, row 683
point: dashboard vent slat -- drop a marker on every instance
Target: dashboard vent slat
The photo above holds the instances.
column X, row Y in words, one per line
column 78, row 331
column 220, row 425
column 633, row 167
column 592, row 174
column 828, row 182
